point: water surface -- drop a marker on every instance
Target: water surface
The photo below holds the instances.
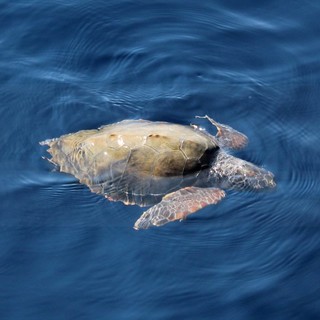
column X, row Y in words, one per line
column 66, row 253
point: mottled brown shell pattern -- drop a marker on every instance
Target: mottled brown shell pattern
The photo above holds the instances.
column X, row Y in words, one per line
column 134, row 161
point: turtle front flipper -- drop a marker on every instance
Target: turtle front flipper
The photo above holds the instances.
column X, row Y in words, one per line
column 227, row 136
column 178, row 205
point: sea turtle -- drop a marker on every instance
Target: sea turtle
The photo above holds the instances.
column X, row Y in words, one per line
column 176, row 168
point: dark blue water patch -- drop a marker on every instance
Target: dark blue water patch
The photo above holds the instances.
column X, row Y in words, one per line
column 67, row 66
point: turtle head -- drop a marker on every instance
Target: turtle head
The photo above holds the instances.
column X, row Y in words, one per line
column 231, row 172
column 253, row 177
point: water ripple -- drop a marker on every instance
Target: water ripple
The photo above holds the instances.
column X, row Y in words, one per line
column 72, row 65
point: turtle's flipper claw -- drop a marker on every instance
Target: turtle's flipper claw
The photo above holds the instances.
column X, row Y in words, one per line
column 227, row 136
column 178, row 205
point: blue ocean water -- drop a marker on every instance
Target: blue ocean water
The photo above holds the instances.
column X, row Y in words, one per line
column 66, row 253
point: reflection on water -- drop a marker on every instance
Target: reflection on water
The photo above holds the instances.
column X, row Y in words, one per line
column 68, row 66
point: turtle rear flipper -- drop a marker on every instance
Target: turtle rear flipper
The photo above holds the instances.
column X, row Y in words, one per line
column 227, row 136
column 178, row 205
